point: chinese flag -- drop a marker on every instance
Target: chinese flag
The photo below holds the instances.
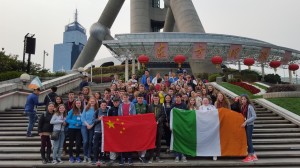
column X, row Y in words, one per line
column 128, row 133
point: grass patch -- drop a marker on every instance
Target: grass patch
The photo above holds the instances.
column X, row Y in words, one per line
column 291, row 103
column 260, row 86
column 238, row 90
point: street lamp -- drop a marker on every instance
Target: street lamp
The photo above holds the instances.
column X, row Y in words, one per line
column 45, row 54
column 25, row 78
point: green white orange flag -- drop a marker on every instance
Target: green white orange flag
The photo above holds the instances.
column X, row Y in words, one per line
column 128, row 133
column 35, row 83
column 208, row 133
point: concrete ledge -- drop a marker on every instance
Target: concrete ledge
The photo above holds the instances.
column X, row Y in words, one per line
column 281, row 94
column 294, row 118
column 224, row 90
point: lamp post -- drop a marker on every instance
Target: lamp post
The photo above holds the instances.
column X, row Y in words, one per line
column 45, row 54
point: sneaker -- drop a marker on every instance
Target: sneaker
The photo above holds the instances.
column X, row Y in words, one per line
column 158, row 160
column 254, row 157
column 54, row 162
column 60, row 161
column 142, row 159
column 84, row 159
column 44, row 161
column 177, row 159
column 29, row 135
column 248, row 159
column 167, row 150
column 71, row 159
column 122, row 160
column 130, row 162
column 89, row 160
column 215, row 158
column 78, row 160
column 93, row 163
column 183, row 159
column 150, row 160
column 98, row 164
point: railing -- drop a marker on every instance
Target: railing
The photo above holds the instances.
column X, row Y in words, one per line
column 16, row 94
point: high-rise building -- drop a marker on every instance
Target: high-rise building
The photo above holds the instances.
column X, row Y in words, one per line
column 66, row 53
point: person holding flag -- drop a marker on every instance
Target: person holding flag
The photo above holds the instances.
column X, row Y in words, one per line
column 31, row 102
column 160, row 117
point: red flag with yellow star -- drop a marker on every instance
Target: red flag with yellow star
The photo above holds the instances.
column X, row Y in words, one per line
column 128, row 133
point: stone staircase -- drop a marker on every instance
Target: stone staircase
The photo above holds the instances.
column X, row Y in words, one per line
column 276, row 141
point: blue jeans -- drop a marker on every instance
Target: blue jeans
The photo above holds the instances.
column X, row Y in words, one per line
column 87, row 137
column 32, row 117
column 249, row 131
column 58, row 146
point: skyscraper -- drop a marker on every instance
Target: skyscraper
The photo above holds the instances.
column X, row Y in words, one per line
column 66, row 53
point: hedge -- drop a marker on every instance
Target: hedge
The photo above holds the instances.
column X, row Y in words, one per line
column 9, row 75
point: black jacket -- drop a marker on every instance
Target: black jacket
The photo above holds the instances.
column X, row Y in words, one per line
column 44, row 123
column 179, row 106
column 113, row 111
column 159, row 113
column 50, row 98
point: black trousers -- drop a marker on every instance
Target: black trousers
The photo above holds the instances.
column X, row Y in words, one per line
column 74, row 135
column 97, row 145
column 159, row 133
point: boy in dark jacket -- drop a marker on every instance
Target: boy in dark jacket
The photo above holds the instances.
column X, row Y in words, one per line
column 50, row 97
column 98, row 132
column 159, row 113
column 44, row 130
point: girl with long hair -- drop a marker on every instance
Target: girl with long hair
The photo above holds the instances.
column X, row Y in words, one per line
column 87, row 130
column 74, row 121
column 249, row 114
column 222, row 101
column 58, row 121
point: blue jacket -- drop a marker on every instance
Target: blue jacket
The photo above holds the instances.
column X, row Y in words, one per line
column 132, row 110
column 144, row 79
column 74, row 121
column 251, row 115
column 97, row 123
column 88, row 116
column 32, row 101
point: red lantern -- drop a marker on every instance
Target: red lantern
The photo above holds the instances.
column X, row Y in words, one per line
column 179, row 59
column 143, row 59
column 293, row 67
column 249, row 62
column 217, row 60
column 275, row 64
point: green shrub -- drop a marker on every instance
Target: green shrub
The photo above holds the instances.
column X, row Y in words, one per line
column 202, row 75
column 9, row 75
column 249, row 78
column 213, row 77
column 281, row 88
column 271, row 78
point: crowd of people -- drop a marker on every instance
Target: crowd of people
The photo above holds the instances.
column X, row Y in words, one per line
column 79, row 118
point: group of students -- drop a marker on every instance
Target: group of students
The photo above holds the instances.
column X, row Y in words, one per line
column 80, row 119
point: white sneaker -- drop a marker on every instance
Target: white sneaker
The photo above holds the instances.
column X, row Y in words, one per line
column 54, row 162
column 215, row 158
column 177, row 159
column 183, row 159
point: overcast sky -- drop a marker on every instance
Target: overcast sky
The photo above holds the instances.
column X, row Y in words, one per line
column 273, row 21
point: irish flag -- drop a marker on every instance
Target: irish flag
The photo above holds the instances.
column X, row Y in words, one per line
column 208, row 133
column 35, row 83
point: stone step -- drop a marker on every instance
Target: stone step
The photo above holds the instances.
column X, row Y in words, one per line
column 277, row 135
column 277, row 147
column 199, row 162
column 16, row 124
column 258, row 126
column 270, row 118
column 277, row 130
column 15, row 128
column 271, row 121
column 266, row 114
column 277, row 141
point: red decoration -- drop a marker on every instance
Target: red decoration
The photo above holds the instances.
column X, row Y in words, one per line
column 293, row 67
column 217, row 60
column 249, row 62
column 143, row 59
column 179, row 59
column 275, row 64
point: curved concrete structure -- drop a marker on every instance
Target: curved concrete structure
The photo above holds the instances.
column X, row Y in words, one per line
column 94, row 43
